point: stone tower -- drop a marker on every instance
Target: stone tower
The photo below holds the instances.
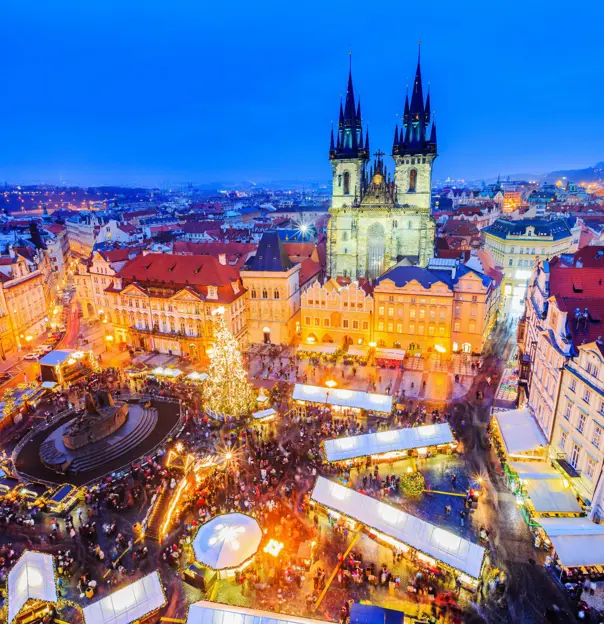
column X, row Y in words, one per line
column 377, row 221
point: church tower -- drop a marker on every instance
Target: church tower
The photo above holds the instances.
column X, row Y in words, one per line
column 349, row 152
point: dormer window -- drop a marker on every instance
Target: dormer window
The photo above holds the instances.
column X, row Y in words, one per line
column 235, row 286
column 212, row 292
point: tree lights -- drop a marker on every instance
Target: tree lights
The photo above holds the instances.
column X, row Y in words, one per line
column 228, row 392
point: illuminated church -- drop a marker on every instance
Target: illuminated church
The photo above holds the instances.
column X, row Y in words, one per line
column 378, row 220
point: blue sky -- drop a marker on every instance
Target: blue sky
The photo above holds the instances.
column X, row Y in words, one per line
column 152, row 92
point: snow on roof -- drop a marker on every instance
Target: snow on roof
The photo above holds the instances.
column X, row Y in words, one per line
column 425, row 537
column 32, row 578
column 128, row 604
column 388, row 441
column 204, row 612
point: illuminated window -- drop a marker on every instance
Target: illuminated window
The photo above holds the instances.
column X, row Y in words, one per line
column 412, row 180
column 590, row 469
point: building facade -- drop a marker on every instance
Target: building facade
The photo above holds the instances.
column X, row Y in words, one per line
column 166, row 303
column 516, row 245
column 272, row 282
column 377, row 220
column 336, row 314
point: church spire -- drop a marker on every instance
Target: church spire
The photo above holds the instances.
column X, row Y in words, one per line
column 427, row 108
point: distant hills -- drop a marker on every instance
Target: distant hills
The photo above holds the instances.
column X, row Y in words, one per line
column 590, row 174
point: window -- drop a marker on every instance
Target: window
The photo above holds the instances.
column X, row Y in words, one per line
column 420, row 330
column 568, row 411
column 276, row 293
column 365, row 325
column 590, row 468
column 422, row 313
column 264, row 293
column 307, row 320
column 317, row 322
column 381, row 326
column 456, row 326
column 390, row 326
column 475, row 298
column 412, row 313
column 581, row 423
column 443, row 314
column 441, row 330
column 411, row 328
column 326, row 322
column 345, row 323
column 355, row 324
column 212, row 292
column 511, row 262
column 346, row 183
column 586, row 395
column 432, row 315
column 574, row 455
column 473, row 311
column 412, row 180
column 597, row 436
column 381, row 311
column 391, row 311
column 573, row 385
column 563, row 436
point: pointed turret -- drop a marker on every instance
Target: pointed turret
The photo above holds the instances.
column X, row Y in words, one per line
column 331, row 143
column 427, row 108
column 433, row 134
column 406, row 113
column 367, row 149
column 395, row 142
column 417, row 96
column 359, row 110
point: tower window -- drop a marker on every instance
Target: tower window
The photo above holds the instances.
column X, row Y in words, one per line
column 412, row 180
column 347, row 183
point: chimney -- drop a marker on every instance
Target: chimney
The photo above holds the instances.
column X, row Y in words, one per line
column 222, row 259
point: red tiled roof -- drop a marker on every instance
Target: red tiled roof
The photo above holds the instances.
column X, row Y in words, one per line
column 199, row 227
column 120, row 254
column 576, row 283
column 236, row 253
column 178, row 272
column 55, row 228
column 147, row 212
column 309, row 269
column 127, row 227
column 299, row 250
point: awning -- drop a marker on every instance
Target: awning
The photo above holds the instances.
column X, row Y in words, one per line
column 328, row 349
column 357, row 351
column 205, row 612
column 267, row 413
column 534, row 470
column 388, row 441
column 32, row 578
column 551, row 496
column 423, row 536
column 343, row 398
column 56, row 357
column 129, row 604
column 579, row 550
column 570, row 526
column 166, row 372
column 195, row 376
column 390, row 354
column 519, row 431
column 227, row 541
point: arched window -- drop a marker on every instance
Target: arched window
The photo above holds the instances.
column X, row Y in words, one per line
column 276, row 294
column 412, row 180
column 264, row 293
column 345, row 236
column 254, row 294
column 347, row 183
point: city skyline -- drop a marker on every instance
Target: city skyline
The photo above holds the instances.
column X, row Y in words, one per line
column 157, row 97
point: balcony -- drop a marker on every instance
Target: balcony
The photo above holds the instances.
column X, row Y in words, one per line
column 567, row 467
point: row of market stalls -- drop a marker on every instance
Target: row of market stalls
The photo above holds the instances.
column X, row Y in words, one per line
column 32, row 593
column 57, row 500
column 344, row 399
column 388, row 358
column 391, row 445
column 428, row 544
column 551, row 506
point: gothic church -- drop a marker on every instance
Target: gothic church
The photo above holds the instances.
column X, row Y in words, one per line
column 376, row 220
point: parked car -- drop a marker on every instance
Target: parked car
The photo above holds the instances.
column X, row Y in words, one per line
column 32, row 357
column 4, row 377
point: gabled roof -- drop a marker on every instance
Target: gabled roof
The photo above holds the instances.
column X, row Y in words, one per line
column 401, row 276
column 270, row 256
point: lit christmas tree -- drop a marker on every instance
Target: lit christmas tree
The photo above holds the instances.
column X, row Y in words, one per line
column 228, row 393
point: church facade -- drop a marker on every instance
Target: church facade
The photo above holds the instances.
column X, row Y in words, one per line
column 378, row 219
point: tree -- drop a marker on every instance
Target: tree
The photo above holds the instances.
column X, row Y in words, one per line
column 228, row 393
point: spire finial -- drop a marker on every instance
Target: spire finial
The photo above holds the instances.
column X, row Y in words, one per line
column 419, row 50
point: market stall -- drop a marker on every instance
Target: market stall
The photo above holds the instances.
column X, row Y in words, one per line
column 380, row 404
column 506, row 396
column 133, row 603
column 389, row 358
column 197, row 377
column 356, row 355
column 31, row 583
column 66, row 365
column 551, row 497
column 429, row 544
column 518, row 435
column 63, row 499
column 205, row 612
column 318, row 352
column 391, row 445
column 169, row 373
column 227, row 543
column 265, row 415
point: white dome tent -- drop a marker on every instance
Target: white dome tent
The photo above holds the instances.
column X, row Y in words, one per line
column 227, row 542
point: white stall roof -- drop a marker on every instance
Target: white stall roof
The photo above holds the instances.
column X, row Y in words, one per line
column 570, row 526
column 519, row 431
column 358, row 351
column 56, row 356
column 534, row 470
column 264, row 413
column 387, row 441
column 213, row 613
column 195, row 376
column 129, row 603
column 390, row 354
column 579, row 550
column 344, row 398
column 551, row 496
column 227, row 541
column 425, row 537
column 32, row 578
column 329, row 349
